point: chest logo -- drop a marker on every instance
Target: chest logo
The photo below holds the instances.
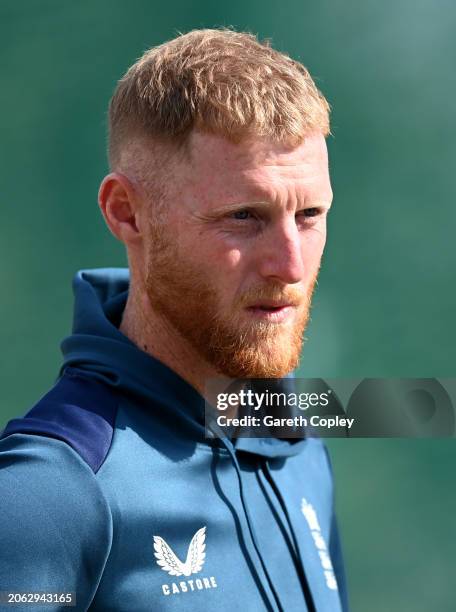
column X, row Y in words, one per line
column 169, row 562
column 320, row 544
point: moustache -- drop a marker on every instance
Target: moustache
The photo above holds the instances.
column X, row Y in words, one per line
column 293, row 296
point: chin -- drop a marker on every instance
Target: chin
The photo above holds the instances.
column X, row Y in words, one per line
column 257, row 363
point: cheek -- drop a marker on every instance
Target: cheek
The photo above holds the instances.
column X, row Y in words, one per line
column 226, row 273
column 313, row 245
column 232, row 259
column 217, row 254
column 219, row 264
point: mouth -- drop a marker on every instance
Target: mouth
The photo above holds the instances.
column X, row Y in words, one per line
column 273, row 312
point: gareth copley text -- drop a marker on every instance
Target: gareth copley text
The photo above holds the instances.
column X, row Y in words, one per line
column 295, row 422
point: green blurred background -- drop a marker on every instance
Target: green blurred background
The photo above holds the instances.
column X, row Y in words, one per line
column 386, row 297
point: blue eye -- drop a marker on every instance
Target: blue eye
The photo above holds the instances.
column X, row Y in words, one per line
column 309, row 212
column 241, row 215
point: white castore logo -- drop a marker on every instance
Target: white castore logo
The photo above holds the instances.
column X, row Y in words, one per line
column 170, row 563
column 193, row 564
column 312, row 519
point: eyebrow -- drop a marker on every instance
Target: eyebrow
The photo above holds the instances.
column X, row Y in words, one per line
column 233, row 207
column 326, row 204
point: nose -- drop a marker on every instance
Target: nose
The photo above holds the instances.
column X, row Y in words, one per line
column 281, row 253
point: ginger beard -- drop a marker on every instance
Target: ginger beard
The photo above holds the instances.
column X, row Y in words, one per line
column 236, row 345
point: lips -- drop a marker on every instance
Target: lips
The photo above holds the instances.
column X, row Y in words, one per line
column 270, row 306
column 273, row 313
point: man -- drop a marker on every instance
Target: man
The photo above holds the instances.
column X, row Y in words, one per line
column 111, row 491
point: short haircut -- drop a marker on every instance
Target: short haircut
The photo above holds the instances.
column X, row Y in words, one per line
column 220, row 81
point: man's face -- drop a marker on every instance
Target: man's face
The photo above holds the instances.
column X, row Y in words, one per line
column 232, row 263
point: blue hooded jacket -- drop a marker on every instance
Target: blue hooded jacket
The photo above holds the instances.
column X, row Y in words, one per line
column 111, row 491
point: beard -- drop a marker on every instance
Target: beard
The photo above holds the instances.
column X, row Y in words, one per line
column 234, row 344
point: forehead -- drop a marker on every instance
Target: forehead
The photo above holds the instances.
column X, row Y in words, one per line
column 257, row 165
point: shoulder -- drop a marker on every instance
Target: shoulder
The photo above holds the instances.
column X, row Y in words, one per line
column 79, row 410
column 44, row 477
column 56, row 527
column 56, row 522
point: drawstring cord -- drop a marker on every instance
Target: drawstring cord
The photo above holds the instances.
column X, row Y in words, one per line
column 230, row 450
column 305, row 585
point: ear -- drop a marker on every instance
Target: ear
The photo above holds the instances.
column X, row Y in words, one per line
column 119, row 203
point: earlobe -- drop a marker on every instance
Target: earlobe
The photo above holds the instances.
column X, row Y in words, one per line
column 119, row 206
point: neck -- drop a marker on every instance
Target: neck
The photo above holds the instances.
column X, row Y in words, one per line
column 157, row 337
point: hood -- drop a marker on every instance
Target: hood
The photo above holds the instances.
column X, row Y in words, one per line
column 98, row 347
